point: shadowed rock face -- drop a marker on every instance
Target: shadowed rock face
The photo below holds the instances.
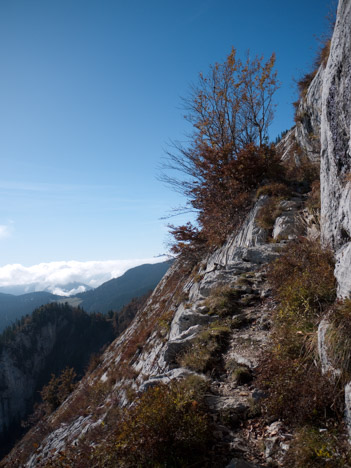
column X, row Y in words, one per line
column 335, row 148
column 52, row 338
column 18, row 375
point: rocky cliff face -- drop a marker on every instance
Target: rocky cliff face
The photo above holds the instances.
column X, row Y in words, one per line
column 52, row 338
column 322, row 132
column 152, row 349
column 335, row 153
column 20, row 365
column 304, row 138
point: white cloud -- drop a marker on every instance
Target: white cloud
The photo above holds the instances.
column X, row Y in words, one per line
column 68, row 292
column 54, row 275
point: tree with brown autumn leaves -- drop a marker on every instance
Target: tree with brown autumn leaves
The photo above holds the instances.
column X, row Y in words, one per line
column 230, row 110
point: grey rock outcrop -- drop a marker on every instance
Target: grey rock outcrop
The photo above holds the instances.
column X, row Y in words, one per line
column 335, row 148
column 326, row 364
column 307, row 130
column 304, row 137
column 286, row 225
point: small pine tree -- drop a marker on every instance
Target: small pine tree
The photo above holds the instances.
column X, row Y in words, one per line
column 58, row 388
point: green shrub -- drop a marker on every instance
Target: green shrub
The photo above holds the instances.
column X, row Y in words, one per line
column 58, row 389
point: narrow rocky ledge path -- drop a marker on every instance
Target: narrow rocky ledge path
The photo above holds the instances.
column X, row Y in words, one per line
column 240, row 265
column 233, row 397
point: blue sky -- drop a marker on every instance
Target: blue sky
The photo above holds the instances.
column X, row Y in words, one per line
column 90, row 95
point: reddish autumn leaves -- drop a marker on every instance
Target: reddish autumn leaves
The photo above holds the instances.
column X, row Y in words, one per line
column 228, row 156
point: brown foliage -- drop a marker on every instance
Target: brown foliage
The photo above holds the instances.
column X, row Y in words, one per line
column 223, row 194
column 303, row 276
column 167, row 425
column 232, row 104
column 189, row 242
column 230, row 109
column 338, row 338
column 305, row 171
column 298, row 393
column 275, row 189
column 303, row 281
column 268, row 213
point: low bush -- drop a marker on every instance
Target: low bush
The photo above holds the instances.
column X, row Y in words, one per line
column 223, row 301
column 297, row 392
column 303, row 278
column 275, row 189
column 305, row 81
column 303, row 282
column 205, row 354
column 238, row 373
column 167, row 426
column 313, row 201
column 268, row 213
column 338, row 338
column 313, row 448
column 300, row 176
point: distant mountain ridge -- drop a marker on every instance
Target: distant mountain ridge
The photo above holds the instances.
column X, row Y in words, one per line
column 112, row 295
column 14, row 307
column 118, row 292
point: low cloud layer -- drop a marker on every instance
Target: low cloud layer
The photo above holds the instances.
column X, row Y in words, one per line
column 54, row 276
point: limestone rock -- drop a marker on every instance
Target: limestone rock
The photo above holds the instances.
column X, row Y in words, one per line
column 186, row 318
column 174, row 374
column 335, row 146
column 343, row 270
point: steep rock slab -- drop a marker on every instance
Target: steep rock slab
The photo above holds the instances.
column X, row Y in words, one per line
column 335, row 148
column 307, row 130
